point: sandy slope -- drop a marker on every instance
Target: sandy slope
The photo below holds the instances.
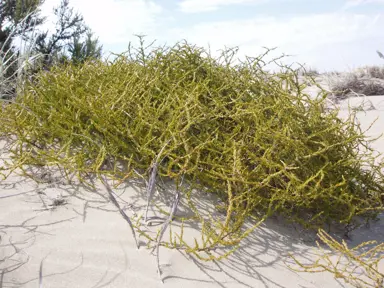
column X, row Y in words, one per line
column 90, row 245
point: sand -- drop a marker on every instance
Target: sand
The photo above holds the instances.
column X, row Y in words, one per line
column 84, row 242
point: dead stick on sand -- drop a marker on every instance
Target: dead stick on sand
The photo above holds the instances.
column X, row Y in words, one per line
column 150, row 188
column 165, row 226
column 2, row 278
column 41, row 272
column 126, row 218
column 152, row 180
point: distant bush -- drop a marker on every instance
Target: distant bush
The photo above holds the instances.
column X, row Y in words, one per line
column 311, row 72
column 371, row 72
column 358, row 82
column 367, row 80
column 234, row 131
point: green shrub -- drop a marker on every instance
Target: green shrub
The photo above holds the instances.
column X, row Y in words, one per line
column 231, row 130
column 359, row 266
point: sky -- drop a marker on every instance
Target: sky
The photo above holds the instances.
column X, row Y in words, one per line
column 324, row 34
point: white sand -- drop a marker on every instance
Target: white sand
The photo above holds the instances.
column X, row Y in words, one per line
column 96, row 248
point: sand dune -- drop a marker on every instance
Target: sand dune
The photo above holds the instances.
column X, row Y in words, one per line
column 83, row 241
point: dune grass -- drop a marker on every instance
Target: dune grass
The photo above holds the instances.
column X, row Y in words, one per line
column 15, row 63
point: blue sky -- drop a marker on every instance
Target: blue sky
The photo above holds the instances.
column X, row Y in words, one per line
column 325, row 34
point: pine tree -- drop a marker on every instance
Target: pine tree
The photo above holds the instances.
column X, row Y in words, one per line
column 69, row 25
column 70, row 40
column 17, row 19
column 80, row 51
column 13, row 13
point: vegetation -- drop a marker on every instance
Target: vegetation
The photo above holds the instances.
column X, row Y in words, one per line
column 358, row 266
column 72, row 40
column 66, row 42
column 81, row 51
column 17, row 19
column 310, row 71
column 233, row 131
column 356, row 83
column 366, row 81
column 14, row 65
column 376, row 72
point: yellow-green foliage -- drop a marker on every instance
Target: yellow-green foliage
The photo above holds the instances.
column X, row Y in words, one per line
column 235, row 130
column 359, row 266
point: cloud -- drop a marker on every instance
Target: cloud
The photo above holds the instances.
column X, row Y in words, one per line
column 197, row 6
column 300, row 35
column 354, row 3
column 301, row 31
column 323, row 40
column 113, row 21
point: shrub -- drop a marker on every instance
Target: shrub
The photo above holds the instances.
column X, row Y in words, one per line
column 375, row 72
column 311, row 72
column 352, row 83
column 234, row 131
column 371, row 72
column 358, row 266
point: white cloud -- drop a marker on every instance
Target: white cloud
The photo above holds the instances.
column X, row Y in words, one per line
column 196, row 6
column 331, row 40
column 303, row 31
column 113, row 21
column 301, row 35
column 353, row 3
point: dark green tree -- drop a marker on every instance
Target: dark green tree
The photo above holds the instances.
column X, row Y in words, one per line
column 17, row 19
column 69, row 25
column 16, row 12
column 80, row 51
column 70, row 40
